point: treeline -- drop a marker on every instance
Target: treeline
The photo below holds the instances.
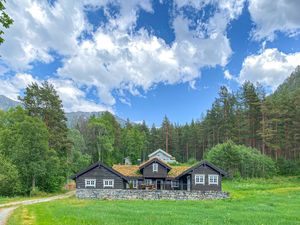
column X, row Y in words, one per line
column 248, row 117
column 270, row 124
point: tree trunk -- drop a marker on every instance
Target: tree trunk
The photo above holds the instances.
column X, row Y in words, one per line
column 33, row 184
column 187, row 151
column 263, row 134
column 167, row 136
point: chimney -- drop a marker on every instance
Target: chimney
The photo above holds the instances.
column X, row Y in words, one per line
column 127, row 161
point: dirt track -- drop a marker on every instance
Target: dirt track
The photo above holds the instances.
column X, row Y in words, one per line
column 8, row 208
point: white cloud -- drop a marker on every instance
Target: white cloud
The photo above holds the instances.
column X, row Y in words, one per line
column 271, row 67
column 271, row 16
column 74, row 99
column 120, row 60
column 227, row 75
column 125, row 101
column 9, row 90
column 11, row 87
column 116, row 58
column 38, row 29
column 22, row 80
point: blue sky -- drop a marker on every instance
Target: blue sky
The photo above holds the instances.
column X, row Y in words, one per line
column 144, row 59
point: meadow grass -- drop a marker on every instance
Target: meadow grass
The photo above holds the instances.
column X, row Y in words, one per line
column 255, row 201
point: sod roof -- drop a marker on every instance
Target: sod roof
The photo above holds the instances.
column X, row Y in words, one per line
column 133, row 170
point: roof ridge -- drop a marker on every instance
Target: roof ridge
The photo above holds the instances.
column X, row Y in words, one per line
column 164, row 152
column 154, row 158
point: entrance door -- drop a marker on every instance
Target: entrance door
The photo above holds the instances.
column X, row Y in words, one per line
column 188, row 179
column 159, row 184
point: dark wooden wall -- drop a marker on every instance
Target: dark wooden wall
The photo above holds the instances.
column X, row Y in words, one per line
column 100, row 173
column 203, row 169
column 161, row 173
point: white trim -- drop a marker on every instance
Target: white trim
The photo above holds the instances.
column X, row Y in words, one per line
column 108, row 183
column 161, row 151
column 199, row 178
column 148, row 181
column 215, row 179
column 174, row 183
column 155, row 167
column 90, row 183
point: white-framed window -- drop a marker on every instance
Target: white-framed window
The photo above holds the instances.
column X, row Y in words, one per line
column 155, row 167
column 213, row 179
column 174, row 183
column 90, row 182
column 108, row 183
column 148, row 181
column 199, row 179
column 135, row 183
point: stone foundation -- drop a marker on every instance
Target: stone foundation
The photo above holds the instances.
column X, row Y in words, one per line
column 125, row 194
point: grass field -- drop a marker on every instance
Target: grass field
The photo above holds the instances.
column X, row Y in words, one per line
column 256, row 201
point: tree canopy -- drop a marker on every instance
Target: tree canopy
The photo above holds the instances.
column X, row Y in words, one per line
column 5, row 20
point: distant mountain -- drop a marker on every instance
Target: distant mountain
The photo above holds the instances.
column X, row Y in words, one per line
column 72, row 117
column 7, row 103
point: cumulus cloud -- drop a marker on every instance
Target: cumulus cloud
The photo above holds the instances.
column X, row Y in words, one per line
column 39, row 28
column 271, row 67
column 73, row 98
column 270, row 16
column 120, row 60
column 11, row 87
column 228, row 75
column 116, row 58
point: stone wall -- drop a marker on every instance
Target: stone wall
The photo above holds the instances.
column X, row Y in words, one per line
column 122, row 194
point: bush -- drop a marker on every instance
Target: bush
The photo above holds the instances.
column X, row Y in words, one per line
column 37, row 192
column 241, row 161
column 288, row 167
column 191, row 161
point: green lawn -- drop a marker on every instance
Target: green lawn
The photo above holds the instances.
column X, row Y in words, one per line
column 256, row 201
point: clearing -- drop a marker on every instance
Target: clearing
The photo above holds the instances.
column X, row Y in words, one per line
column 253, row 201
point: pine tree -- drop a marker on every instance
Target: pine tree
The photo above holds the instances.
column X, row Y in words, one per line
column 43, row 102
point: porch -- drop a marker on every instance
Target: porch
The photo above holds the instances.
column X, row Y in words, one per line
column 183, row 183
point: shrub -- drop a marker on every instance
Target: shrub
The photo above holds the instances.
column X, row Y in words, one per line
column 241, row 161
column 288, row 167
column 191, row 161
column 37, row 192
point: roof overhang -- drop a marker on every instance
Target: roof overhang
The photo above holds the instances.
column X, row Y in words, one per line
column 97, row 164
column 204, row 162
column 148, row 162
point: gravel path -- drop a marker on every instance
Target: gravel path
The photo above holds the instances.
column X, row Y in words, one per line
column 5, row 213
column 8, row 208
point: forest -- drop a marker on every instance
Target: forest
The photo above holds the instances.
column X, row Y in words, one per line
column 39, row 153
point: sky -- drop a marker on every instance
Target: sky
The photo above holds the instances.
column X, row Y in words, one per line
column 143, row 59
